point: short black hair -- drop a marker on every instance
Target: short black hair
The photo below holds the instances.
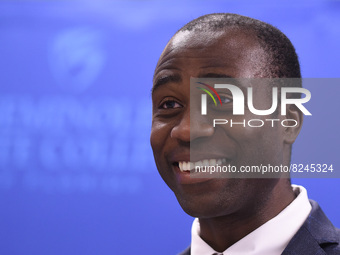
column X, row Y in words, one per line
column 281, row 60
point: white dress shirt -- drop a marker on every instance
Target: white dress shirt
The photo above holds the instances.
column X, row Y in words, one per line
column 269, row 239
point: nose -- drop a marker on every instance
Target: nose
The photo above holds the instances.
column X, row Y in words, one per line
column 190, row 127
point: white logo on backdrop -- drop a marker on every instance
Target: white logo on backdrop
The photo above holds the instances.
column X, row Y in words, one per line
column 76, row 58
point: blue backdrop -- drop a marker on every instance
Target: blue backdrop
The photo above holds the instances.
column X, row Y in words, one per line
column 76, row 169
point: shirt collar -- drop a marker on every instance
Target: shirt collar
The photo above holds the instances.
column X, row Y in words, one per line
column 270, row 238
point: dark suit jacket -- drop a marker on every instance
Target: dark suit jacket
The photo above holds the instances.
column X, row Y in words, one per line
column 317, row 236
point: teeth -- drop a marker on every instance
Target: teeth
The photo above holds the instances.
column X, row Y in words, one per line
column 206, row 162
column 212, row 162
column 188, row 166
column 181, row 165
column 199, row 163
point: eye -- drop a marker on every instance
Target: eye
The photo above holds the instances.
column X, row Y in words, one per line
column 170, row 104
column 225, row 99
column 227, row 104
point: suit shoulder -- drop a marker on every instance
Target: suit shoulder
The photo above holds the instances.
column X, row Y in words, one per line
column 186, row 251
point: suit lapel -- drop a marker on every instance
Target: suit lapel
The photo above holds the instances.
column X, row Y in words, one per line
column 315, row 233
column 315, row 236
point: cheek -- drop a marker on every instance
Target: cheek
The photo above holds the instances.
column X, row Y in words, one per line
column 239, row 134
column 161, row 144
column 158, row 138
column 257, row 127
column 242, row 128
column 255, row 143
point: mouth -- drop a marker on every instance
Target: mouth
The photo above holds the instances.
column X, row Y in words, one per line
column 187, row 172
column 189, row 167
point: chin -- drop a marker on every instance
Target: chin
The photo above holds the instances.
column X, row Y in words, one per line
column 199, row 208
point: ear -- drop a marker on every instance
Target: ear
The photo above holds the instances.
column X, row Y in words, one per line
column 291, row 132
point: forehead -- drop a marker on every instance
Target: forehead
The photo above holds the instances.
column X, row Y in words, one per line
column 193, row 39
column 228, row 48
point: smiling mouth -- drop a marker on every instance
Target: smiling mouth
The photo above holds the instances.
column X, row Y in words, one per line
column 187, row 166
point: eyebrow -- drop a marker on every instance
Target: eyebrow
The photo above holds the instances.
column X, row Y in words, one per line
column 214, row 75
column 166, row 79
column 231, row 80
column 177, row 78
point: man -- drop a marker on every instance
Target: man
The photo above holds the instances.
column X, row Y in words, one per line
column 233, row 215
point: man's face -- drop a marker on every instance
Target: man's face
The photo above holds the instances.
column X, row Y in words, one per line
column 226, row 54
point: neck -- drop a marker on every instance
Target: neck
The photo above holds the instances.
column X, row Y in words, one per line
column 223, row 231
